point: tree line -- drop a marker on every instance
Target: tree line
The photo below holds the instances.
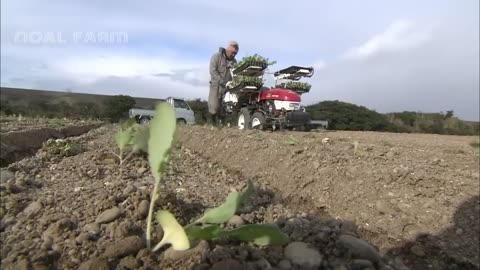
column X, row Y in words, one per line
column 113, row 109
column 347, row 116
column 340, row 115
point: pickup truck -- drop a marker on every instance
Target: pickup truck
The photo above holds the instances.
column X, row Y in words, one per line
column 184, row 113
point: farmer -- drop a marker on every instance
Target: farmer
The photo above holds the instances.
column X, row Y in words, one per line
column 220, row 65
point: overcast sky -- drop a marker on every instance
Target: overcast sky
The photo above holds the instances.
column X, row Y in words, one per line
column 386, row 55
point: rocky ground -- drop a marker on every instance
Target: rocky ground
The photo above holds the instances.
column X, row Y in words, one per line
column 347, row 200
column 18, row 123
column 21, row 137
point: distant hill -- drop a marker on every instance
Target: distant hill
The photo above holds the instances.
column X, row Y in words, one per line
column 32, row 102
column 21, row 96
column 340, row 115
column 347, row 116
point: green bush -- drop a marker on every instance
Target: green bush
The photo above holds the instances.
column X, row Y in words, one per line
column 346, row 116
column 117, row 107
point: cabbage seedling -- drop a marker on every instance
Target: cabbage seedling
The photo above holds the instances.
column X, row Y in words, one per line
column 132, row 138
column 161, row 136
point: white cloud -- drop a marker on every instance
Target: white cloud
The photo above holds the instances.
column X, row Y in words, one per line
column 402, row 35
column 432, row 75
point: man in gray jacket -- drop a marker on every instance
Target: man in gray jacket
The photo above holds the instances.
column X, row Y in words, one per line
column 220, row 65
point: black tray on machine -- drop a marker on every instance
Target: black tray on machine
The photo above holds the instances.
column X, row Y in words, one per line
column 245, row 88
column 295, row 72
column 251, row 68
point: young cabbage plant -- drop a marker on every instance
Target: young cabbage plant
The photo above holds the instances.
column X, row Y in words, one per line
column 131, row 139
column 161, row 137
column 208, row 227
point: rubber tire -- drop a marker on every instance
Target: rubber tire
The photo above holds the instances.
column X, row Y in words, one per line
column 246, row 116
column 144, row 120
column 181, row 122
column 261, row 117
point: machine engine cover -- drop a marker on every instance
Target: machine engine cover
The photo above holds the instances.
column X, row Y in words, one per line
column 280, row 94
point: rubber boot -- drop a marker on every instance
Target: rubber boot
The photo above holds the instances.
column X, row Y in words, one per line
column 220, row 121
column 212, row 120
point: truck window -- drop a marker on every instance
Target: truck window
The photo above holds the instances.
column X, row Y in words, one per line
column 180, row 104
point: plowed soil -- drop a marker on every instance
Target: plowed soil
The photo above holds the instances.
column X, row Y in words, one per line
column 349, row 200
column 22, row 137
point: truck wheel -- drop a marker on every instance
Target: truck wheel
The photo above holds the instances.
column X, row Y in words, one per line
column 243, row 119
column 258, row 121
column 181, row 122
column 144, row 120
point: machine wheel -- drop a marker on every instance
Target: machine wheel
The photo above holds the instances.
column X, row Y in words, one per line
column 243, row 119
column 258, row 121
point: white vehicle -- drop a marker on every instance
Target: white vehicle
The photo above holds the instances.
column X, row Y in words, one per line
column 184, row 113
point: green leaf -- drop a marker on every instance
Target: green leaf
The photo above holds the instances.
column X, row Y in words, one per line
column 204, row 232
column 224, row 212
column 162, row 130
column 173, row 232
column 259, row 234
column 140, row 139
column 249, row 191
column 127, row 124
column 292, row 141
column 123, row 138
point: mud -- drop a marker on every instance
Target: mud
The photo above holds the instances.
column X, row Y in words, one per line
column 354, row 201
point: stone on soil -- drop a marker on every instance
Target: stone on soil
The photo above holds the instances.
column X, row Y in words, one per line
column 362, row 265
column 57, row 228
column 33, row 209
column 236, row 221
column 382, row 207
column 199, row 250
column 141, row 170
column 229, row 264
column 128, row 263
column 359, row 248
column 143, row 209
column 417, row 250
column 127, row 246
column 300, row 254
column 284, row 265
column 95, row 264
column 83, row 237
column 92, row 228
column 6, row 175
column 109, row 215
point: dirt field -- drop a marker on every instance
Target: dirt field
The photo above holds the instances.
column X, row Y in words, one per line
column 347, row 200
column 13, row 124
column 21, row 137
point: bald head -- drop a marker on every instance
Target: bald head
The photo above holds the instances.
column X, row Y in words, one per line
column 232, row 49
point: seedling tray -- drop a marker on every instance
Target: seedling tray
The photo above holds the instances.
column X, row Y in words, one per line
column 251, row 68
column 244, row 87
column 298, row 87
column 294, row 72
